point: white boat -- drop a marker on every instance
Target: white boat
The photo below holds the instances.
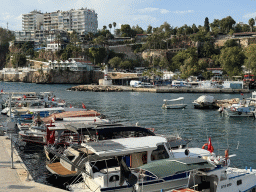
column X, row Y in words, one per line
column 245, row 108
column 111, row 165
column 174, row 103
column 205, row 102
column 223, row 178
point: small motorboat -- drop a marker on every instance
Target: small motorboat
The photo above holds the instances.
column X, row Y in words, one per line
column 174, row 103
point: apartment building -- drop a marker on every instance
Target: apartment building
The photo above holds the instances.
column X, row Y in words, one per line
column 32, row 21
column 43, row 28
column 81, row 20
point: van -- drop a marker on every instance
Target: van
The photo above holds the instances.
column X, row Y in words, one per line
column 177, row 84
column 134, row 83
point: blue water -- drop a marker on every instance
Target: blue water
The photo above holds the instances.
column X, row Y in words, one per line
column 237, row 134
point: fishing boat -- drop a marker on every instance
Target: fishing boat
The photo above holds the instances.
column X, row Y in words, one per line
column 174, row 103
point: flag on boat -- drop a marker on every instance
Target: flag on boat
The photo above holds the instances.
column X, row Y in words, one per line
column 84, row 107
column 242, row 93
column 210, row 147
column 2, row 91
column 70, row 106
column 24, row 96
column 53, row 99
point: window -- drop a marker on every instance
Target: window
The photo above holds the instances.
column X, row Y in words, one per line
column 159, row 153
column 239, row 182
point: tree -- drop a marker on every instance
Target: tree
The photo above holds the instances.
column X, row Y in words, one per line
column 152, row 73
column 231, row 43
column 251, row 23
column 126, row 65
column 126, row 30
column 194, row 28
column 232, row 59
column 250, row 62
column 114, row 25
column 115, row 62
column 100, row 40
column 149, row 29
column 227, row 23
column 104, row 27
column 206, row 24
column 110, row 26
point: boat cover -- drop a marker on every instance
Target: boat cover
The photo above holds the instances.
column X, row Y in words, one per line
column 167, row 167
column 205, row 99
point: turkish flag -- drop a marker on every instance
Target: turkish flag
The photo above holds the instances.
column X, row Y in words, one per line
column 210, row 147
column 84, row 106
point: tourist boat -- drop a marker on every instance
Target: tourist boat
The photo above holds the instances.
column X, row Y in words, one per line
column 205, row 102
column 174, row 103
column 245, row 108
column 111, row 165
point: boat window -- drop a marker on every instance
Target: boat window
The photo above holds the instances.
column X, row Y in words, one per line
column 114, row 178
column 105, row 164
column 159, row 153
column 223, row 175
column 239, row 182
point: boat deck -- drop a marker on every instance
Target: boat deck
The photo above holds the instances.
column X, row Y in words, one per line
column 57, row 168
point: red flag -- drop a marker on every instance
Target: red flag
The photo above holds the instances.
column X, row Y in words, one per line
column 242, row 93
column 52, row 138
column 24, row 96
column 70, row 106
column 2, row 91
column 84, row 106
column 210, row 147
column 53, row 99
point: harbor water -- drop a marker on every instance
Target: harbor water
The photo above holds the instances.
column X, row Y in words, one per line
column 144, row 108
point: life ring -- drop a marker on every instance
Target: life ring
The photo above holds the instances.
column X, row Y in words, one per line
column 233, row 109
column 145, row 159
column 206, row 144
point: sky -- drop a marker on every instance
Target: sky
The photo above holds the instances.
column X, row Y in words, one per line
column 133, row 12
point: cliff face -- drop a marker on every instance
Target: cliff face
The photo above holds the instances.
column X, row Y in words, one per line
column 58, row 77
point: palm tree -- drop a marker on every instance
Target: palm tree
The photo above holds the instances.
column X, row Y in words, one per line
column 110, row 26
column 114, row 25
column 251, row 23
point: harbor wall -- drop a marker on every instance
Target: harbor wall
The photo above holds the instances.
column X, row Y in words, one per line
column 58, row 77
column 164, row 89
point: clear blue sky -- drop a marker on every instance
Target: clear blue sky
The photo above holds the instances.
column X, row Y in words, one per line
column 133, row 12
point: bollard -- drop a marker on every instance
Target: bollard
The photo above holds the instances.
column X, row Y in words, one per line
column 246, row 168
column 250, row 169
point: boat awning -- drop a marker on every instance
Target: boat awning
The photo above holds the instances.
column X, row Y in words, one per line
column 167, row 167
column 47, row 109
column 124, row 146
column 178, row 99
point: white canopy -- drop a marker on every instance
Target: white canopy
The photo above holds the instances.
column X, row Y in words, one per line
column 178, row 99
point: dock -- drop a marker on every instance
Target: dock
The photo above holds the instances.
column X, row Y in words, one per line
column 16, row 178
column 156, row 89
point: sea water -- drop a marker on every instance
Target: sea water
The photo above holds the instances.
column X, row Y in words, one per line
column 145, row 109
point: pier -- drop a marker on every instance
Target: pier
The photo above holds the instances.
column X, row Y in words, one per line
column 14, row 176
column 160, row 89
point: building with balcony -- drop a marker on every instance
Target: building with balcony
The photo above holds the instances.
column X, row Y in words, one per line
column 32, row 21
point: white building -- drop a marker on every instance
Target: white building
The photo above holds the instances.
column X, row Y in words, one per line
column 81, row 20
column 32, row 21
